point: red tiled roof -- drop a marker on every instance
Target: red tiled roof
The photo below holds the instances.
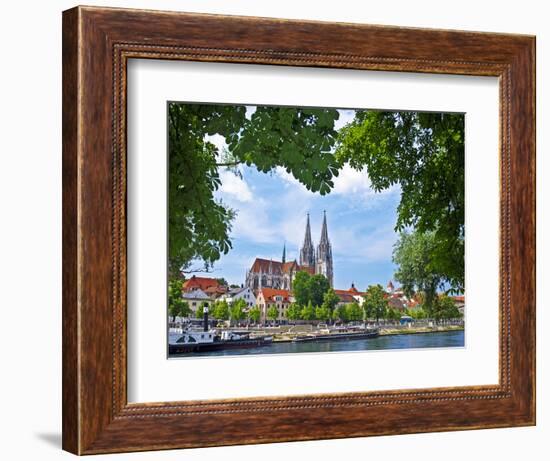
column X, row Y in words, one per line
column 288, row 266
column 277, row 267
column 459, row 298
column 347, row 296
column 262, row 265
column 220, row 289
column 203, row 283
column 269, row 293
column 352, row 291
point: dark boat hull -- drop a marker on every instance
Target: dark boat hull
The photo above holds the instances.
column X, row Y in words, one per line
column 336, row 337
column 187, row 348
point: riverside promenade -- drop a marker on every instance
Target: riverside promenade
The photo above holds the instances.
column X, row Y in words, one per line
column 286, row 333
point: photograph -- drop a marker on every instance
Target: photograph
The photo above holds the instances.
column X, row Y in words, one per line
column 313, row 230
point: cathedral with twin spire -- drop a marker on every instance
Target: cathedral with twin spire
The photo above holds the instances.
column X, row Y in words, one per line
column 267, row 273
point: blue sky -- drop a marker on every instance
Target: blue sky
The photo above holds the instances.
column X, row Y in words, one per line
column 272, row 208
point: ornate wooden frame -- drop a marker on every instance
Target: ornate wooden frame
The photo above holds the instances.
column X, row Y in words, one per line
column 97, row 43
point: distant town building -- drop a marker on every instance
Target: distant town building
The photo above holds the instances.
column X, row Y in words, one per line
column 244, row 293
column 352, row 295
column 279, row 275
column 268, row 297
column 397, row 299
column 195, row 298
column 266, row 273
column 205, row 284
column 210, row 286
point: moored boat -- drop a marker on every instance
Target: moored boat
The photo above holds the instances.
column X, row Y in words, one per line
column 202, row 340
column 335, row 335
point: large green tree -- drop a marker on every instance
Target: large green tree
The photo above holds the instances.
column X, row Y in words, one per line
column 322, row 313
column 423, row 154
column 310, row 288
column 237, row 310
column 375, row 302
column 445, row 308
column 300, row 288
column 220, row 310
column 254, row 314
column 177, row 307
column 308, row 312
column 318, row 287
column 330, row 300
column 272, row 313
column 354, row 312
column 294, row 312
column 418, row 269
column 417, row 313
column 299, row 140
column 340, row 313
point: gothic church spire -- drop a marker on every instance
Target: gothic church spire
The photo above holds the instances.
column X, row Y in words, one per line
column 324, row 231
column 324, row 264
column 307, row 253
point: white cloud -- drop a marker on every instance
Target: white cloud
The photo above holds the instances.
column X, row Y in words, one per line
column 354, row 182
column 235, row 186
column 272, row 219
column 253, row 223
column 351, row 181
column 351, row 238
column 356, row 244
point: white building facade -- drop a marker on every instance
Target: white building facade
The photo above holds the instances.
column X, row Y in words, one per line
column 244, row 293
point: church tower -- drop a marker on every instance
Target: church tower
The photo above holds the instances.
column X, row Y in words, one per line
column 324, row 254
column 307, row 253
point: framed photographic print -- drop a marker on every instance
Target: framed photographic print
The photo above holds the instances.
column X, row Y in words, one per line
column 285, row 230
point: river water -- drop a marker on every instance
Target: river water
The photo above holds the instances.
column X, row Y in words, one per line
column 406, row 341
